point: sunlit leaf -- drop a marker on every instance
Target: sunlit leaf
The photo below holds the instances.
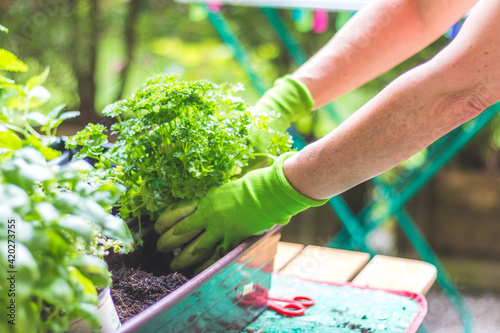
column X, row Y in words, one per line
column 6, row 81
column 37, row 79
column 38, row 118
column 88, row 286
column 54, row 113
column 77, row 225
column 93, row 268
column 69, row 115
column 47, row 211
column 47, row 152
column 9, row 139
column 115, row 228
column 9, row 62
column 38, row 96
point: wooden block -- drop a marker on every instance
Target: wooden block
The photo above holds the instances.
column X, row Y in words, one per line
column 325, row 264
column 397, row 274
column 285, row 253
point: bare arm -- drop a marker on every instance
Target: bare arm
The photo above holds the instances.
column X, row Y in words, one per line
column 378, row 37
column 413, row 111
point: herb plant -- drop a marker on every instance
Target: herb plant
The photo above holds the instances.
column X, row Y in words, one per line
column 54, row 226
column 174, row 141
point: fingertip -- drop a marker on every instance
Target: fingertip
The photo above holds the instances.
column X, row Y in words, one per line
column 187, row 224
column 169, row 241
column 187, row 259
column 175, row 213
column 207, row 244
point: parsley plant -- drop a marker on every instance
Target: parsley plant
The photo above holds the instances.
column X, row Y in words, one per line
column 175, row 140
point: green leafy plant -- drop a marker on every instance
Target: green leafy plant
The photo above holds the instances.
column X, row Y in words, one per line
column 175, row 140
column 19, row 110
column 54, row 226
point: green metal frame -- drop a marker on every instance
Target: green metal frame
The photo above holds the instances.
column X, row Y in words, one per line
column 357, row 227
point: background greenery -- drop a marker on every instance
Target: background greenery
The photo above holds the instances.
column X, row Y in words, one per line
column 99, row 51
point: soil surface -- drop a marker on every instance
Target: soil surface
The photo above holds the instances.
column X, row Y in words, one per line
column 142, row 277
column 134, row 290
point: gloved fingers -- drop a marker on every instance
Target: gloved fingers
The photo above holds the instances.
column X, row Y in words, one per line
column 207, row 243
column 174, row 213
column 187, row 258
column 193, row 222
column 216, row 255
column 169, row 241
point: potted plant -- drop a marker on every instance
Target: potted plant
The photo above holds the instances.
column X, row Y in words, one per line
column 55, row 229
column 175, row 140
column 55, row 225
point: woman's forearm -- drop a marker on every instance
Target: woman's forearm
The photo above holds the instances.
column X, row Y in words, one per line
column 409, row 114
column 393, row 126
column 378, row 37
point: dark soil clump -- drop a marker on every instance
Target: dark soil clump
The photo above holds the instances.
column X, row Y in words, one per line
column 357, row 327
column 134, row 290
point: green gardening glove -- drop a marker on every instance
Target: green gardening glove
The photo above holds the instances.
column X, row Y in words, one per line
column 291, row 100
column 288, row 97
column 228, row 214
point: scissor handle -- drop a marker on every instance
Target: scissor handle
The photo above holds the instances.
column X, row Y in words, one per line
column 247, row 301
column 304, row 300
column 293, row 308
column 257, row 297
column 258, row 289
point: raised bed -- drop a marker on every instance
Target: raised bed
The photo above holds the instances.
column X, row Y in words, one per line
column 208, row 302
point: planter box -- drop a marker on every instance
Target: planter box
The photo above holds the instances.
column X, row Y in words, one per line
column 209, row 301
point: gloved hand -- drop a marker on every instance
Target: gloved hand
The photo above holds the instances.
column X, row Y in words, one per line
column 290, row 98
column 228, row 214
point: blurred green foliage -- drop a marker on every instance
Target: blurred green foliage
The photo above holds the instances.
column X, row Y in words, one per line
column 101, row 51
column 19, row 110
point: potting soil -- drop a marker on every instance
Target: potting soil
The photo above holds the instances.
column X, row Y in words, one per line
column 134, row 290
column 342, row 309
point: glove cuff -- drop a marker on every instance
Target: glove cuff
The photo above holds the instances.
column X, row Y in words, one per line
column 288, row 188
column 278, row 199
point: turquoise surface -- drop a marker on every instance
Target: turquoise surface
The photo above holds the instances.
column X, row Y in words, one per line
column 337, row 309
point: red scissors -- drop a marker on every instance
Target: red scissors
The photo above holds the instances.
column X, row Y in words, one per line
column 295, row 306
